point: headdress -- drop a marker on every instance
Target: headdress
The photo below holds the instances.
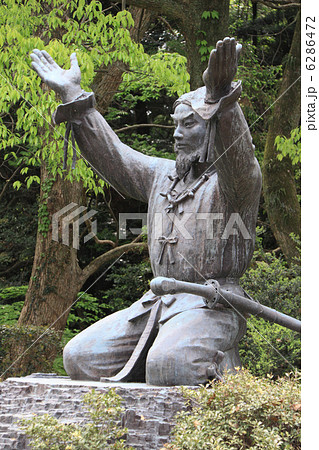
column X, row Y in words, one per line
column 207, row 108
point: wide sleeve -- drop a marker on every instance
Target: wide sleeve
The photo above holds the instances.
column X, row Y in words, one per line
column 239, row 174
column 125, row 169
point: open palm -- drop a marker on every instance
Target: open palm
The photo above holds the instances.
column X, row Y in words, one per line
column 222, row 68
column 64, row 82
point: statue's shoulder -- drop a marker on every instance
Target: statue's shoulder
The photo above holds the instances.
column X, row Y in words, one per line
column 163, row 165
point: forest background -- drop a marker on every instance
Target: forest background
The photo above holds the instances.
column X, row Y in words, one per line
column 137, row 61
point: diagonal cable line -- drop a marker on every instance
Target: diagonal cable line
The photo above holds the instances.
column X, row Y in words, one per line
column 239, row 313
column 63, row 137
column 67, row 309
column 102, row 176
column 250, row 126
column 50, row 124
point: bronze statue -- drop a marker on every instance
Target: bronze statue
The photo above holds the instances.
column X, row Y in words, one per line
column 201, row 225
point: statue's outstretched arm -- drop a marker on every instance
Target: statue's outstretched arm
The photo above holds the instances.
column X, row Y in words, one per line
column 233, row 154
column 128, row 171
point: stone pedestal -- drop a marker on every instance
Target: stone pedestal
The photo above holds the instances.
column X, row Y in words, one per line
column 149, row 410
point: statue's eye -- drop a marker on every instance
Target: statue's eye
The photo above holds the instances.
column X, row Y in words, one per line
column 189, row 123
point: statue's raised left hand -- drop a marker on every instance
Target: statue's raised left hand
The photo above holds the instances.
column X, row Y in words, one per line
column 221, row 70
column 66, row 83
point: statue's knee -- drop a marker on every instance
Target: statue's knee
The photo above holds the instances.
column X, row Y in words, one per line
column 70, row 360
column 176, row 365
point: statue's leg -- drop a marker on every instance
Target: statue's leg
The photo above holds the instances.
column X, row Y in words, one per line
column 103, row 349
column 190, row 343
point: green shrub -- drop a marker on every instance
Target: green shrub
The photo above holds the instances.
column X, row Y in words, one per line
column 275, row 284
column 85, row 311
column 102, row 432
column 9, row 314
column 25, row 350
column 130, row 282
column 242, row 412
column 58, row 366
column 12, row 294
column 270, row 348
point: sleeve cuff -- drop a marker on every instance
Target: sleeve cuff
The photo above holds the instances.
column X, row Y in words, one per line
column 75, row 111
column 208, row 110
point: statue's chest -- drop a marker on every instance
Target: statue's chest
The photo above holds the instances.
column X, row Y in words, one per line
column 178, row 217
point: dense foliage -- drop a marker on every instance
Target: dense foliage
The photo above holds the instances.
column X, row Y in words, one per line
column 155, row 75
column 102, row 432
column 98, row 40
column 26, row 350
column 242, row 412
column 268, row 348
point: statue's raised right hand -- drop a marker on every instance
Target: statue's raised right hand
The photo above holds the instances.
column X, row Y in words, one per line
column 66, row 83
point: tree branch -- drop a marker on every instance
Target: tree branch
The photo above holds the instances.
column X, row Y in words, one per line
column 88, row 223
column 278, row 4
column 8, row 181
column 111, row 256
column 15, row 266
column 168, row 26
column 170, row 8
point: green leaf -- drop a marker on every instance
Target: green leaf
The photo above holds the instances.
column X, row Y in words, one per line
column 17, row 184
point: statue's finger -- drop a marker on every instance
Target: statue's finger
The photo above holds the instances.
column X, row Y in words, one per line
column 212, row 59
column 37, row 60
column 233, row 48
column 38, row 57
column 208, row 73
column 74, row 62
column 227, row 53
column 38, row 70
column 36, row 52
column 50, row 60
column 238, row 50
column 44, row 61
column 219, row 44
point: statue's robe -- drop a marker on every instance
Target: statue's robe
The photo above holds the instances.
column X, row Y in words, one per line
column 208, row 236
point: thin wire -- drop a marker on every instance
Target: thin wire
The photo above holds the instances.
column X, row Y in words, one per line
column 239, row 313
column 248, row 128
column 67, row 309
column 50, row 124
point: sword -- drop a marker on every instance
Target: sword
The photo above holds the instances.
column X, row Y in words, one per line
column 212, row 294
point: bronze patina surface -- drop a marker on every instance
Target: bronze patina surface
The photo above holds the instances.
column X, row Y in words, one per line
column 201, row 225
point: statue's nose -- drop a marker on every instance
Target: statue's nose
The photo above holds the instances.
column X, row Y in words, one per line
column 177, row 133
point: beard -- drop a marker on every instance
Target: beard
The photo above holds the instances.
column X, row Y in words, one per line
column 185, row 161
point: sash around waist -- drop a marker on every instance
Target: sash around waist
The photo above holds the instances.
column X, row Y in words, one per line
column 177, row 303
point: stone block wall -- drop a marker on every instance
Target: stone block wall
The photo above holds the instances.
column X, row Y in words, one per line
column 149, row 410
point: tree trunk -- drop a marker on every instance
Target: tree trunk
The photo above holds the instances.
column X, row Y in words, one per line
column 107, row 81
column 56, row 276
column 194, row 27
column 279, row 186
column 188, row 17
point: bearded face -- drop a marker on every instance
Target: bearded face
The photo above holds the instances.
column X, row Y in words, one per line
column 184, row 162
column 189, row 135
